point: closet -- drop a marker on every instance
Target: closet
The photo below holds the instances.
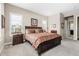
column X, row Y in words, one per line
column 69, row 27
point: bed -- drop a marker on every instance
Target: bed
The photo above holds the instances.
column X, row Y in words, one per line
column 41, row 40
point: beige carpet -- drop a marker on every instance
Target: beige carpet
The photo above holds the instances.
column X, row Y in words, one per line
column 67, row 48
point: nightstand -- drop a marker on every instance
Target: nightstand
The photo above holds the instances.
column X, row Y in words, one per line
column 53, row 31
column 17, row 39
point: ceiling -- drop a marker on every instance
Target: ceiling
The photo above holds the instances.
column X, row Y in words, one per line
column 48, row 9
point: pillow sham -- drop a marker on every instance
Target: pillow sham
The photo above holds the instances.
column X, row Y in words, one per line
column 28, row 31
column 38, row 31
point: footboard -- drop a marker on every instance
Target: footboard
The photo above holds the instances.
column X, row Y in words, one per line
column 48, row 45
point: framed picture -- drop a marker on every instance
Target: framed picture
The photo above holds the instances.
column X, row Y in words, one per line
column 2, row 21
column 34, row 22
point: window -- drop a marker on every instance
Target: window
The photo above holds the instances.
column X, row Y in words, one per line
column 15, row 23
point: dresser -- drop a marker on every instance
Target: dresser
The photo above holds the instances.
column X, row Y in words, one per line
column 17, row 39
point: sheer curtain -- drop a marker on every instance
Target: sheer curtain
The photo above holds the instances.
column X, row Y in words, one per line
column 15, row 23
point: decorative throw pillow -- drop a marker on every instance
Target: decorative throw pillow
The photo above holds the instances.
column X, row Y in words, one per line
column 36, row 30
column 40, row 31
column 31, row 31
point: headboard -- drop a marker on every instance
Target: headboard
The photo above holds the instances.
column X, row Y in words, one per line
column 31, row 27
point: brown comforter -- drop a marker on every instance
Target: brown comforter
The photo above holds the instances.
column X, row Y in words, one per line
column 37, row 38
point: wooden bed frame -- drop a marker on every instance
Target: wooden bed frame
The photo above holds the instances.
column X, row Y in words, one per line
column 47, row 44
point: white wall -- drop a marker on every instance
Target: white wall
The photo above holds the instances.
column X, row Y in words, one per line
column 54, row 19
column 27, row 15
column 2, row 30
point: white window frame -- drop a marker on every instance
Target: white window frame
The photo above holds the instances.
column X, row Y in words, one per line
column 16, row 15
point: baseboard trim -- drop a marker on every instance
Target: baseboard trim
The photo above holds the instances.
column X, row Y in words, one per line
column 8, row 43
column 3, row 46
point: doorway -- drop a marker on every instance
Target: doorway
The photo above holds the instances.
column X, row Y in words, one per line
column 69, row 27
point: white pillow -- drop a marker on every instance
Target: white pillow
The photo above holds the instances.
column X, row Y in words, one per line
column 26, row 31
